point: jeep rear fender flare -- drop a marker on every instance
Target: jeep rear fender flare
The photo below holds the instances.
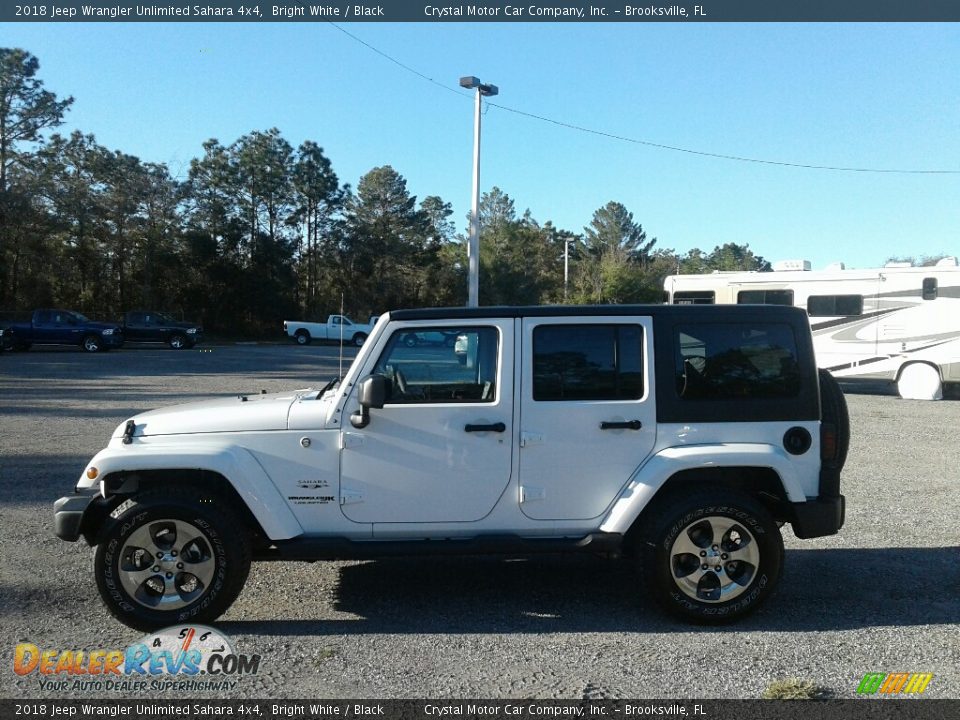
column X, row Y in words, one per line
column 237, row 464
column 659, row 468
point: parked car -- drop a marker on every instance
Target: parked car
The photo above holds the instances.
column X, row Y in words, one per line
column 434, row 337
column 63, row 327
column 335, row 328
column 147, row 326
column 681, row 437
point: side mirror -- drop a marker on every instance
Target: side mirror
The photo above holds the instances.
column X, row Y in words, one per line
column 372, row 394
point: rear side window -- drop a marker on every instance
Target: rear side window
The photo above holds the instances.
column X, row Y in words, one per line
column 834, row 305
column 765, row 297
column 694, row 297
column 587, row 362
column 724, row 361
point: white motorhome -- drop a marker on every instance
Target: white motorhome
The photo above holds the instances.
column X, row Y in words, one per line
column 896, row 323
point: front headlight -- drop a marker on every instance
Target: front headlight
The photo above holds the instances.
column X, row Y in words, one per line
column 108, row 331
column 191, row 331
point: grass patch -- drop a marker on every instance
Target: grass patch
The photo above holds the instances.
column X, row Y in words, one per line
column 326, row 653
column 793, row 689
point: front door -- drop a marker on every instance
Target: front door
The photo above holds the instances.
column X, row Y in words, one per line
column 588, row 417
column 56, row 326
column 440, row 449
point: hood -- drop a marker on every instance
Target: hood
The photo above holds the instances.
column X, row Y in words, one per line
column 102, row 326
column 182, row 325
column 239, row 413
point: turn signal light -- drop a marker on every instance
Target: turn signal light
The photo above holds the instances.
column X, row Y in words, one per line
column 92, row 473
column 828, row 442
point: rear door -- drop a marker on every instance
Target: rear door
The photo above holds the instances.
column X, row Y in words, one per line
column 588, row 417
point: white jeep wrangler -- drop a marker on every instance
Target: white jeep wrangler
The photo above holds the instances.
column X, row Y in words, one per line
column 683, row 436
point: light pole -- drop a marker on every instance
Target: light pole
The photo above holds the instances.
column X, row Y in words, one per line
column 566, row 265
column 473, row 249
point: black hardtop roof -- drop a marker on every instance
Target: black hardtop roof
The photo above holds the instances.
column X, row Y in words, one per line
column 714, row 313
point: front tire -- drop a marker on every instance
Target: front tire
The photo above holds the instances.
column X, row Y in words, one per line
column 178, row 342
column 711, row 556
column 171, row 556
column 92, row 343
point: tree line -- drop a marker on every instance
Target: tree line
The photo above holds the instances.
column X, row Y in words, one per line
column 261, row 231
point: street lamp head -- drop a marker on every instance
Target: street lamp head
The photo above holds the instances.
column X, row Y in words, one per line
column 470, row 82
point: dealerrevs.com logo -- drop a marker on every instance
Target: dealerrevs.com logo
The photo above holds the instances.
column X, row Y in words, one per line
column 894, row 683
column 182, row 658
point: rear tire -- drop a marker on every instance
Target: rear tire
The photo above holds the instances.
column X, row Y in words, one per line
column 170, row 556
column 919, row 381
column 302, row 337
column 833, row 410
column 359, row 339
column 710, row 556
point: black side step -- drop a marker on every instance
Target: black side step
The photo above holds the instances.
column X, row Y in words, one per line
column 335, row 548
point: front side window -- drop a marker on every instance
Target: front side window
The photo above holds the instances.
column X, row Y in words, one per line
column 723, row 361
column 765, row 297
column 587, row 362
column 930, row 288
column 441, row 365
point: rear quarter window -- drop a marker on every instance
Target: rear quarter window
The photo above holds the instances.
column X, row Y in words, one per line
column 725, row 361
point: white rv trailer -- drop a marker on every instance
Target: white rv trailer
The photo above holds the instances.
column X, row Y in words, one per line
column 897, row 323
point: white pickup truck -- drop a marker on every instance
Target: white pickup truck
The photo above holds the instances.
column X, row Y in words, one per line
column 336, row 327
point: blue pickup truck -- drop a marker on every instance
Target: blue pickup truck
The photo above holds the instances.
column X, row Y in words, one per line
column 148, row 326
column 62, row 327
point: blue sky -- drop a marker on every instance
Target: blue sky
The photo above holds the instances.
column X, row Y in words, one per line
column 859, row 95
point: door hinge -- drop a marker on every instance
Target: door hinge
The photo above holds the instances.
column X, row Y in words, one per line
column 350, row 440
column 530, row 438
column 350, row 498
column 530, row 492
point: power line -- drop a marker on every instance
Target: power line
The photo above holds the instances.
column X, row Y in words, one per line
column 648, row 143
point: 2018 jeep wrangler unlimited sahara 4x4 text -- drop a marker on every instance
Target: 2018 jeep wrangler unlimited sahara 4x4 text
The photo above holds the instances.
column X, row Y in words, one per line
column 684, row 436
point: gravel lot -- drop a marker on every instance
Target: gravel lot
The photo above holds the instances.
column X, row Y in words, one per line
column 883, row 595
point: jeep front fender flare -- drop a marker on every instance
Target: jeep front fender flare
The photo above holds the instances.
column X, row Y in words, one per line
column 659, row 468
column 236, row 464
